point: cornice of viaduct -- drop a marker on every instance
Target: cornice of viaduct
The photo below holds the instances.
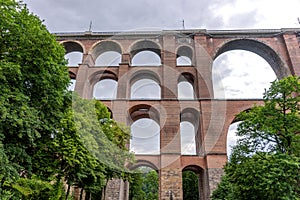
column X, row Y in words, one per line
column 188, row 32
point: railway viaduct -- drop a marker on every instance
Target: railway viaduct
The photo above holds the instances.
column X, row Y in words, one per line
column 209, row 116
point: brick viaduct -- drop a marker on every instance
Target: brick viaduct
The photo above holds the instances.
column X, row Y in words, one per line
column 211, row 117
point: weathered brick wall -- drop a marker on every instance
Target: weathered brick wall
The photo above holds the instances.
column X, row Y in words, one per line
column 279, row 47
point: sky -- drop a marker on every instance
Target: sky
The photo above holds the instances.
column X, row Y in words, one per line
column 241, row 74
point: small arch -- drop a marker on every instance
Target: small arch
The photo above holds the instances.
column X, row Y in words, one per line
column 71, row 46
column 189, row 124
column 148, row 50
column 145, row 129
column 184, row 56
column 74, row 53
column 143, row 111
column 105, row 89
column 185, row 86
column 193, row 183
column 145, row 137
column 108, row 58
column 112, row 49
column 145, row 85
column 143, row 163
column 146, row 58
column 231, row 137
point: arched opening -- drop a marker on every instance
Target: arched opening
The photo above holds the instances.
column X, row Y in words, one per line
column 187, row 136
column 108, row 58
column 185, row 90
column 240, row 74
column 74, row 53
column 192, row 183
column 183, row 61
column 145, row 137
column 146, row 58
column 145, row 52
column 74, row 58
column 105, row 89
column 184, row 56
column 185, row 86
column 231, row 137
column 107, row 53
column 145, row 88
column 189, row 125
column 144, row 184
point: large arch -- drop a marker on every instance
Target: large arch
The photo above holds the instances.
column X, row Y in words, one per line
column 258, row 48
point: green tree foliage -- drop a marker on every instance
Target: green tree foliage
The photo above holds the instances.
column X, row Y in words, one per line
column 33, row 81
column 265, row 164
column 44, row 138
column 190, row 183
column 144, row 185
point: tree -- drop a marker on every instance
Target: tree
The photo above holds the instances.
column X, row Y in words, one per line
column 33, row 96
column 34, row 80
column 190, row 183
column 265, row 164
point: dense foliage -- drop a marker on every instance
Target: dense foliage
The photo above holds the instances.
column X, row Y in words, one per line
column 190, row 185
column 265, row 164
column 144, row 185
column 47, row 142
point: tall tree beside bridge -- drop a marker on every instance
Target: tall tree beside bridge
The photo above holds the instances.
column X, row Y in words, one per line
column 265, row 162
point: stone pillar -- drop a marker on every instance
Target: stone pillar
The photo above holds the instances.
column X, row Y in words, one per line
column 215, row 164
column 170, row 178
column 115, row 190
column 203, row 65
column 170, row 74
column 82, row 86
column 293, row 51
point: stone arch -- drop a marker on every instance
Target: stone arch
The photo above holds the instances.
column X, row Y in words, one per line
column 199, row 172
column 145, row 130
column 98, row 76
column 191, row 116
column 73, row 45
column 142, row 45
column 143, row 163
column 104, row 46
column 145, row 45
column 185, row 51
column 260, row 49
column 145, row 75
column 188, row 78
column 143, row 111
column 74, row 52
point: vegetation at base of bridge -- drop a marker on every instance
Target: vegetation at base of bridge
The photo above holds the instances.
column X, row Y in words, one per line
column 42, row 149
column 265, row 163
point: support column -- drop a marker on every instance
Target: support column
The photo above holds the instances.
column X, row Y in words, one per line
column 293, row 51
column 170, row 178
column 215, row 164
column 203, row 67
